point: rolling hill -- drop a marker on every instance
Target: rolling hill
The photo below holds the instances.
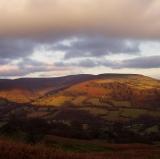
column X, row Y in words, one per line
column 25, row 90
column 120, row 108
column 135, row 90
column 110, row 96
column 108, row 90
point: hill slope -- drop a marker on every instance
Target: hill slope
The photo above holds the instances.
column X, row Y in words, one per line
column 25, row 90
column 113, row 97
column 119, row 108
column 104, row 90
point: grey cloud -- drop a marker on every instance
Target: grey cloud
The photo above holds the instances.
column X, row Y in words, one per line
column 142, row 62
column 82, row 47
column 29, row 62
column 86, row 63
column 4, row 61
column 139, row 63
column 91, row 48
column 15, row 48
column 98, row 46
column 28, row 66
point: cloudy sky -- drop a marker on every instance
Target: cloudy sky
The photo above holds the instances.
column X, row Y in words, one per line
column 45, row 38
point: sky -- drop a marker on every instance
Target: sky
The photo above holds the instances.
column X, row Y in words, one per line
column 48, row 38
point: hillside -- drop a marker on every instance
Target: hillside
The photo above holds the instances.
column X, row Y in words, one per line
column 115, row 107
column 106, row 90
column 135, row 89
column 113, row 97
column 25, row 90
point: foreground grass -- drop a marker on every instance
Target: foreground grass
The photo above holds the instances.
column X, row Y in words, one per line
column 13, row 150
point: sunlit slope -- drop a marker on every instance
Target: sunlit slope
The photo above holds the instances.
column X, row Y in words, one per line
column 26, row 90
column 106, row 90
column 110, row 91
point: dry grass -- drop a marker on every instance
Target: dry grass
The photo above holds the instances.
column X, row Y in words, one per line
column 11, row 150
column 79, row 100
column 53, row 100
